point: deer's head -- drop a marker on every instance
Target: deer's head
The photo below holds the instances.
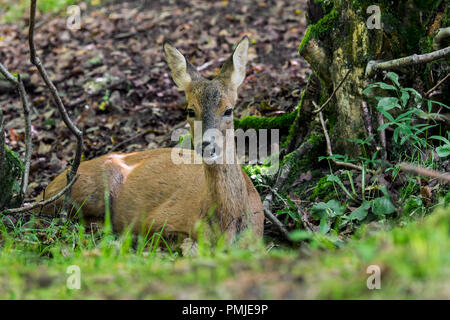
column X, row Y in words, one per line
column 210, row 102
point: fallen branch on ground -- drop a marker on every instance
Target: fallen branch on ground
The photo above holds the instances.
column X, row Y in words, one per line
column 374, row 66
column 443, row 176
column 210, row 63
column 437, row 85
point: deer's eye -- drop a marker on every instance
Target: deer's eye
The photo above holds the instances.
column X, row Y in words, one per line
column 190, row 113
column 228, row 113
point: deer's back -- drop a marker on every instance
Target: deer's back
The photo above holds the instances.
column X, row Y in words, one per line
column 144, row 188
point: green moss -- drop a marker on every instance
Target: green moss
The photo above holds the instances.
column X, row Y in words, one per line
column 297, row 111
column 325, row 24
column 305, row 40
column 322, row 27
column 282, row 122
column 323, row 190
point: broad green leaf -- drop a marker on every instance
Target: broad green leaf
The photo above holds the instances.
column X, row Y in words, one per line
column 388, row 103
column 385, row 86
column 404, row 115
column 443, row 151
column 414, row 92
column 404, row 98
column 384, row 126
column 444, row 140
column 384, row 190
column 382, row 206
column 396, row 133
column 367, row 90
column 333, row 178
column 386, row 114
column 319, row 210
column 324, row 210
column 381, row 85
column 394, row 77
column 361, row 212
column 324, row 225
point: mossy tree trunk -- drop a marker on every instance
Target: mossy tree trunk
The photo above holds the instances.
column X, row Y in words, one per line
column 338, row 39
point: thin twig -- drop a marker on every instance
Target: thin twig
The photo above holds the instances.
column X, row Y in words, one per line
column 332, row 95
column 210, row 63
column 437, row 85
column 28, row 142
column 374, row 66
column 44, row 202
column 62, row 110
column 443, row 176
column 330, row 152
column 18, row 83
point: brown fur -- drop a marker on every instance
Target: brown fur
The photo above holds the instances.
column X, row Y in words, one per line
column 147, row 189
column 155, row 190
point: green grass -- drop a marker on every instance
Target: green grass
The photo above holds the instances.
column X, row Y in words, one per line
column 414, row 262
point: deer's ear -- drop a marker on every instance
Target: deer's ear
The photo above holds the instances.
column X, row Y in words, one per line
column 234, row 68
column 183, row 72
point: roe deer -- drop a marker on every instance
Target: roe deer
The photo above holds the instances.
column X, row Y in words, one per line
column 147, row 189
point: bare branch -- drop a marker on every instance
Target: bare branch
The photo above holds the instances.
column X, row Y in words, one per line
column 57, row 99
column 18, row 83
column 374, row 66
column 332, row 95
column 28, row 142
column 437, row 85
column 304, row 149
column 210, row 63
column 330, row 152
column 44, row 202
column 443, row 176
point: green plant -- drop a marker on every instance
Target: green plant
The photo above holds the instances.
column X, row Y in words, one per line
column 408, row 124
column 10, row 179
column 444, row 150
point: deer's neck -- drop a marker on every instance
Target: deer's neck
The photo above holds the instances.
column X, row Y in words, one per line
column 227, row 189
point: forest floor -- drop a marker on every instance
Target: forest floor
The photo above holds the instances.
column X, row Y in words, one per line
column 116, row 84
column 114, row 81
